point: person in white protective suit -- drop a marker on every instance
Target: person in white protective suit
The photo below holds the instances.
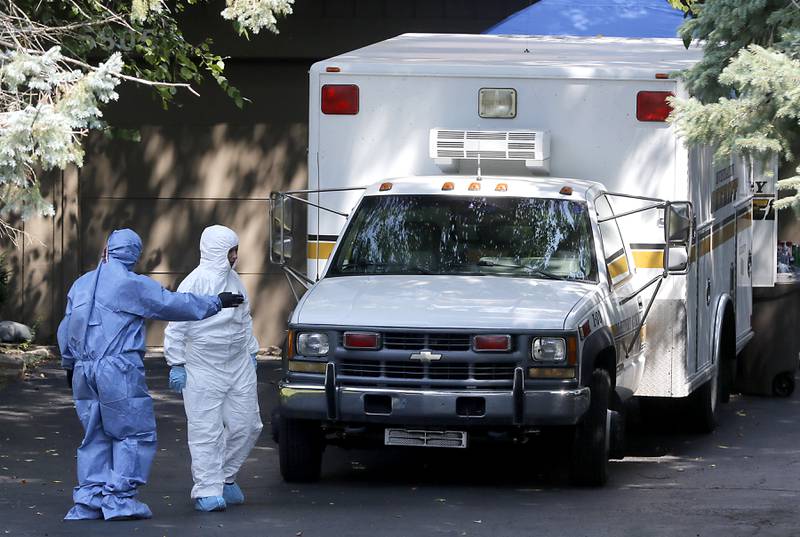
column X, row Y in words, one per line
column 214, row 366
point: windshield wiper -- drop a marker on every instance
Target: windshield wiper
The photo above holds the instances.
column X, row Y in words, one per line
column 415, row 268
column 529, row 268
column 361, row 264
column 367, row 264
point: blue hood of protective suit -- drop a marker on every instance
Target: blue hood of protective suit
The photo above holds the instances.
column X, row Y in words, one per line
column 125, row 246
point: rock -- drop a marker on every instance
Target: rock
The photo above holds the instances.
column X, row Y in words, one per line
column 11, row 367
column 12, row 332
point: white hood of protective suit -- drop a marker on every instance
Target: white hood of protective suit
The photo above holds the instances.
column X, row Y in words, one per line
column 224, row 339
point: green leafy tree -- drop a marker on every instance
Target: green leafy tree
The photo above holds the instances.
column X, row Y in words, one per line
column 61, row 61
column 746, row 89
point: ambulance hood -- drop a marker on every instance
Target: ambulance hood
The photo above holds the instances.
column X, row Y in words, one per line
column 476, row 302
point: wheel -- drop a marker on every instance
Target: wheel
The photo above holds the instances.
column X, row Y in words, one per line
column 590, row 448
column 783, row 384
column 275, row 424
column 703, row 404
column 300, row 450
column 728, row 366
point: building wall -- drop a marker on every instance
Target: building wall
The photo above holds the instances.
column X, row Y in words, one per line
column 204, row 161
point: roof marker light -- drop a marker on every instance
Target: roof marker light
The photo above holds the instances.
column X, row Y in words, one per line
column 448, row 186
column 501, row 187
column 332, row 70
column 565, row 191
column 385, row 186
column 473, row 187
column 662, row 76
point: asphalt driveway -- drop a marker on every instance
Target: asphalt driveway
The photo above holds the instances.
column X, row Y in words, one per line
column 742, row 480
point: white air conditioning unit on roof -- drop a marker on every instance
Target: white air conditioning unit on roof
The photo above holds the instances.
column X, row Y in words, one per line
column 448, row 147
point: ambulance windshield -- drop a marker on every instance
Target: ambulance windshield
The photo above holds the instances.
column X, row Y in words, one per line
column 453, row 235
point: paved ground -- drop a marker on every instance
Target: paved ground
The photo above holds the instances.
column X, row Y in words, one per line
column 743, row 480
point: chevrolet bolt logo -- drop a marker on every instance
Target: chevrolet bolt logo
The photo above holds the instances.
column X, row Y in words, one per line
column 426, row 356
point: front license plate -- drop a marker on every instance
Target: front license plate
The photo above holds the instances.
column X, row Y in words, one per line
column 425, row 438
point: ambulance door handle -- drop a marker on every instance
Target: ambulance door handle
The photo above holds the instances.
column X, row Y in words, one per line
column 708, row 292
column 750, row 263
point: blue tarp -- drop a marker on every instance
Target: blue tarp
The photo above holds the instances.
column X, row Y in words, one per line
column 614, row 18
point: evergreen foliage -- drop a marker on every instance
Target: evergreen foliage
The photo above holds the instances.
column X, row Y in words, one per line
column 746, row 90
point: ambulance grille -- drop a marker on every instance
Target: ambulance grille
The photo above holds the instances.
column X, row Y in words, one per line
column 445, row 370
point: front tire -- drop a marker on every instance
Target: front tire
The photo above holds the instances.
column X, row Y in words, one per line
column 300, row 448
column 590, row 450
column 704, row 402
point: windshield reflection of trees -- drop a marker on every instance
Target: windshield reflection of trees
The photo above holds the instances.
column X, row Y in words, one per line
column 427, row 234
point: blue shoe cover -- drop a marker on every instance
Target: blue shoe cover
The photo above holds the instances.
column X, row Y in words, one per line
column 233, row 494
column 83, row 512
column 210, row 503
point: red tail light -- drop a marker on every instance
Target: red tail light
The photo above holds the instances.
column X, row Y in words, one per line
column 492, row 343
column 653, row 105
column 361, row 340
column 340, row 99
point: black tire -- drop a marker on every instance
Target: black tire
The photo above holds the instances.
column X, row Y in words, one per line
column 783, row 384
column 275, row 424
column 590, row 448
column 300, row 450
column 703, row 404
column 728, row 365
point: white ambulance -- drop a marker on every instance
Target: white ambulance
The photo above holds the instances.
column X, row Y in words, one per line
column 505, row 236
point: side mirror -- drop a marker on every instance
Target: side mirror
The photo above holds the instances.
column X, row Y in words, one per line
column 281, row 240
column 678, row 223
column 678, row 260
column 678, row 233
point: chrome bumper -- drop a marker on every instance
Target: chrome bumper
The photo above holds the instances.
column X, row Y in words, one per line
column 433, row 406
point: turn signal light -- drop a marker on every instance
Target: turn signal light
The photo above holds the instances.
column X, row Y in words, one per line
column 551, row 372
column 572, row 351
column 340, row 99
column 297, row 366
column 653, row 105
column 494, row 343
column 361, row 340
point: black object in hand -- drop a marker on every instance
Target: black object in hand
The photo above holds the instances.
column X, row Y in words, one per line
column 230, row 300
column 69, row 378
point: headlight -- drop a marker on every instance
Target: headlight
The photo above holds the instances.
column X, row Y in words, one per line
column 312, row 344
column 549, row 349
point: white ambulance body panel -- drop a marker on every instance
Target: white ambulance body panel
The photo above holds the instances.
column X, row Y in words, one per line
column 583, row 93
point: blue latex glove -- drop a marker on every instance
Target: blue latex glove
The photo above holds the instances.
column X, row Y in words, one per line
column 255, row 362
column 177, row 378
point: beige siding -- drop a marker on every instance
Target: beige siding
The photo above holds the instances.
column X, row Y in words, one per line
column 205, row 162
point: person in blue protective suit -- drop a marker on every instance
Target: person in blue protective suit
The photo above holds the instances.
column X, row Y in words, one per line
column 102, row 343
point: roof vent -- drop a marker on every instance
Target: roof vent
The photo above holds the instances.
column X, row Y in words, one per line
column 448, row 147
